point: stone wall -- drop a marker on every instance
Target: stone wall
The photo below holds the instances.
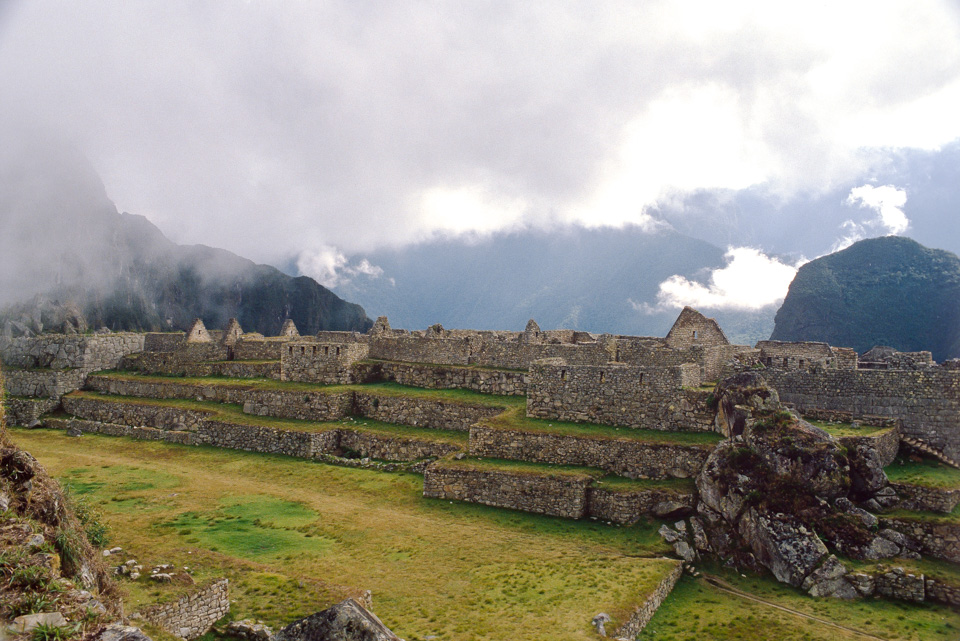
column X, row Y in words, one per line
column 560, row 495
column 311, row 406
column 886, row 444
column 485, row 381
column 941, row 592
column 259, row 349
column 45, row 383
column 235, row 369
column 918, row 498
column 193, row 615
column 163, row 341
column 799, row 355
column 59, row 351
column 927, row 402
column 642, row 615
column 441, row 351
column 268, row 440
column 316, row 362
column 694, row 329
column 649, row 398
column 141, row 414
column 938, row 540
column 27, row 411
column 629, row 506
column 177, row 362
column 405, row 410
column 624, row 457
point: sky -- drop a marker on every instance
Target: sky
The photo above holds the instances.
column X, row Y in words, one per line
column 310, row 131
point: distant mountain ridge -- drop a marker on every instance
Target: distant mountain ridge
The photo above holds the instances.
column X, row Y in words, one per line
column 64, row 239
column 889, row 291
column 596, row 280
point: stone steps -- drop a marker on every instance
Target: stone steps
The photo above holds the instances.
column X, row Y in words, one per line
column 929, row 450
column 568, row 492
column 220, row 426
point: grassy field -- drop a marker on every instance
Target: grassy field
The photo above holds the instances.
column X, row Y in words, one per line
column 294, row 536
column 929, row 473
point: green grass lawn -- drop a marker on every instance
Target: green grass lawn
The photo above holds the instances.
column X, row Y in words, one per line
column 840, row 430
column 294, row 536
column 929, row 473
column 697, row 610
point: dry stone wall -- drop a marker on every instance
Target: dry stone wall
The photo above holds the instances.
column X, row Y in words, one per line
column 649, row 398
column 173, row 418
column 163, row 341
column 626, row 457
column 938, row 540
column 315, row 362
column 60, row 351
column 193, row 615
column 561, row 495
column 642, row 615
column 485, row 381
column 44, row 383
column 926, row 499
column 419, row 412
column 629, row 506
column 27, row 411
column 927, row 402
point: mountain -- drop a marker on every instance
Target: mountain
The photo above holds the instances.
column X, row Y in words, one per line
column 64, row 240
column 595, row 280
column 884, row 291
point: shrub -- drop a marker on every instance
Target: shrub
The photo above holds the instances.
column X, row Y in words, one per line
column 47, row 632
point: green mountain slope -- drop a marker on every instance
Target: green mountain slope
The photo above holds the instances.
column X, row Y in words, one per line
column 882, row 291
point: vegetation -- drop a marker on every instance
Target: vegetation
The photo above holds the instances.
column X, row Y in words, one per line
column 294, row 536
column 516, row 419
column 927, row 472
column 882, row 291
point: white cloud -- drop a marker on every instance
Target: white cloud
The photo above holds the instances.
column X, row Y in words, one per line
column 330, row 267
column 750, row 280
column 887, row 203
column 370, row 125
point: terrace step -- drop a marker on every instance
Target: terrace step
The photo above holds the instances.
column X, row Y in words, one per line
column 629, row 453
column 226, row 426
column 568, row 492
column 390, row 403
column 929, row 450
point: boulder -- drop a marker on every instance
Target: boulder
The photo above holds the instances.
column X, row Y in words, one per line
column 345, row 621
column 830, row 580
column 782, row 545
column 119, row 632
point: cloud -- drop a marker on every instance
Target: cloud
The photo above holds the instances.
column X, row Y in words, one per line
column 750, row 280
column 254, row 126
column 887, row 203
column 330, row 267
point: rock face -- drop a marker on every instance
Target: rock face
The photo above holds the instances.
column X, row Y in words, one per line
column 771, row 491
column 345, row 621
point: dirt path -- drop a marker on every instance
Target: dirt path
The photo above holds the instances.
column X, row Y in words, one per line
column 720, row 584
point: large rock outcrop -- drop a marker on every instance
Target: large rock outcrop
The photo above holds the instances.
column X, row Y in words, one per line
column 345, row 621
column 780, row 493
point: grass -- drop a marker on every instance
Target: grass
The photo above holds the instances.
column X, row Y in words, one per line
column 522, row 467
column 515, row 419
column 928, row 473
column 953, row 518
column 468, row 397
column 839, row 430
column 232, row 413
column 697, row 610
column 294, row 536
column 620, row 484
